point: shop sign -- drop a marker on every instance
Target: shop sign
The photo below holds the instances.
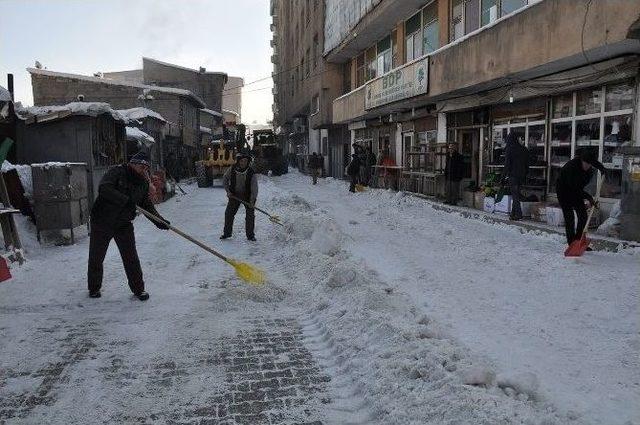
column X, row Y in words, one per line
column 402, row 83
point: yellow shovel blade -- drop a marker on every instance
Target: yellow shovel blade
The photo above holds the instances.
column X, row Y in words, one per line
column 275, row 219
column 248, row 273
column 360, row 188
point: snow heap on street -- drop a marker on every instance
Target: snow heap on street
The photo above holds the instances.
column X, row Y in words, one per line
column 433, row 318
column 92, row 109
column 135, row 134
column 138, row 114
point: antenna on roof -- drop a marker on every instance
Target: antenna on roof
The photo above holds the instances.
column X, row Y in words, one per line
column 98, row 74
column 38, row 65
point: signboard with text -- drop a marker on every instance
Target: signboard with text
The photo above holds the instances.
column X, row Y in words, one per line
column 402, row 83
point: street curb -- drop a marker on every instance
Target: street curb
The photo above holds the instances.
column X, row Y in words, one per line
column 598, row 243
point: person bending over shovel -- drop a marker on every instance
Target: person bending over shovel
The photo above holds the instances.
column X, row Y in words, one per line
column 241, row 184
column 121, row 189
column 574, row 176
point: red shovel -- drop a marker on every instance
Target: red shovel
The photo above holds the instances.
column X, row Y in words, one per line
column 579, row 246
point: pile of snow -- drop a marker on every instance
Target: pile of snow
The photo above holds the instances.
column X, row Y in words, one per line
column 139, row 114
column 611, row 226
column 135, row 134
column 5, row 96
column 92, row 109
column 205, row 130
column 24, row 172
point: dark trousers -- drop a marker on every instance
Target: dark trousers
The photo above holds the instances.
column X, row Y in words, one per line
column 353, row 183
column 99, row 240
column 453, row 191
column 230, row 214
column 315, row 172
column 568, row 207
column 516, row 208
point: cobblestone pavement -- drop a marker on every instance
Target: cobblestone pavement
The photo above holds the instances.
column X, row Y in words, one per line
column 187, row 371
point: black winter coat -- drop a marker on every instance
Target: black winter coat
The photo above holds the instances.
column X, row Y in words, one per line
column 314, row 161
column 454, row 167
column 516, row 163
column 573, row 179
column 121, row 190
column 354, row 167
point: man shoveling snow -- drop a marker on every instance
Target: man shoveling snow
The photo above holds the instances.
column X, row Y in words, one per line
column 121, row 189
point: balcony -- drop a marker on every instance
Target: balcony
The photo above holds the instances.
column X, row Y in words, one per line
column 349, row 106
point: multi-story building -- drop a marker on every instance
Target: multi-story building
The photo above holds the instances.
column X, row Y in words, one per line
column 560, row 74
column 305, row 84
column 232, row 97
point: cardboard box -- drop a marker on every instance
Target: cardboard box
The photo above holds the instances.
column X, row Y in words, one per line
column 489, row 204
column 504, row 206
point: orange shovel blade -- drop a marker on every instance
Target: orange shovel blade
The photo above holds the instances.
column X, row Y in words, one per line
column 577, row 247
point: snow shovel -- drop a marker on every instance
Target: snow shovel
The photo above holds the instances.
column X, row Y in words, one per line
column 274, row 218
column 246, row 272
column 579, row 246
column 360, row 188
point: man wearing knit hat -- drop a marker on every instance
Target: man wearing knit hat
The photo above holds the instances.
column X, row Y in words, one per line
column 121, row 189
column 574, row 176
column 241, row 182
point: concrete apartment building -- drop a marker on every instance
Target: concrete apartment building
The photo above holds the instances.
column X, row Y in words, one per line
column 560, row 74
column 305, row 84
column 232, row 97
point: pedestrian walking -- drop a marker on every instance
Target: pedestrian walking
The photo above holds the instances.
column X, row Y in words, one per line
column 369, row 161
column 315, row 164
column 353, row 171
column 121, row 189
column 240, row 181
column 453, row 172
column 574, row 176
column 516, row 167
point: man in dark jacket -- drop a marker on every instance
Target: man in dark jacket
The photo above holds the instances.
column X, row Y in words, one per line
column 369, row 161
column 121, row 189
column 516, row 166
column 315, row 164
column 574, row 176
column 453, row 172
column 353, row 171
column 240, row 181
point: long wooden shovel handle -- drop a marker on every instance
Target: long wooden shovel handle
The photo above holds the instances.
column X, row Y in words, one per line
column 254, row 207
column 184, row 235
column 593, row 207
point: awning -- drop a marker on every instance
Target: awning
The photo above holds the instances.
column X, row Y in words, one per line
column 137, row 135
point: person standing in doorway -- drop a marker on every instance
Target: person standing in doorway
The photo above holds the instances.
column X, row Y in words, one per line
column 315, row 163
column 369, row 161
column 121, row 189
column 453, row 172
column 241, row 184
column 574, row 176
column 516, row 166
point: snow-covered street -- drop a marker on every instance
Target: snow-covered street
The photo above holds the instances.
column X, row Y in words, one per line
column 378, row 309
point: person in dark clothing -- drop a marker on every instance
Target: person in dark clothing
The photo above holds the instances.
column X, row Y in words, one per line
column 516, row 167
column 121, row 189
column 369, row 161
column 315, row 164
column 453, row 173
column 353, row 171
column 240, row 181
column 573, row 178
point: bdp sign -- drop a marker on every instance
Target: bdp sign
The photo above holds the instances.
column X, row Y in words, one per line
column 402, row 83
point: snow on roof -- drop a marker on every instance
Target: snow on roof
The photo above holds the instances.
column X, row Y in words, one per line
column 134, row 133
column 170, row 90
column 141, row 113
column 5, row 96
column 206, row 130
column 228, row 111
column 211, row 112
column 184, row 68
column 92, row 109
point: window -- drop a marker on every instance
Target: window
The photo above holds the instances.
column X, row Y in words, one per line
column 471, row 15
column 563, row 106
column 589, row 101
column 395, row 61
column 384, row 56
column 360, row 71
column 370, row 56
column 489, row 11
column 315, row 104
column 413, row 43
column 457, row 27
column 509, row 6
column 431, row 29
column 619, row 96
column 315, row 50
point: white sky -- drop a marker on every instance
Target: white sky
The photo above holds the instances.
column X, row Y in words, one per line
column 86, row 36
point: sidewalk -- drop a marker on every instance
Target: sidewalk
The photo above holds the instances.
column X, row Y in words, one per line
column 599, row 242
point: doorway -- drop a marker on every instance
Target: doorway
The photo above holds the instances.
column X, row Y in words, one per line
column 469, row 148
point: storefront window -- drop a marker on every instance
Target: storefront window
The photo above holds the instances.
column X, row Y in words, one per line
column 489, row 11
column 563, row 106
column 535, row 144
column 519, row 133
column 589, row 101
column 431, row 30
column 619, row 96
column 588, row 133
column 617, row 133
column 561, row 143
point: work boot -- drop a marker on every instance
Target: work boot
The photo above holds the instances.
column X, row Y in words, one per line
column 94, row 294
column 251, row 238
column 223, row 237
column 142, row 296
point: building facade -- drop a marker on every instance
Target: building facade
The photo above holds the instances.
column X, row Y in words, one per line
column 560, row 74
column 305, row 85
column 232, row 97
